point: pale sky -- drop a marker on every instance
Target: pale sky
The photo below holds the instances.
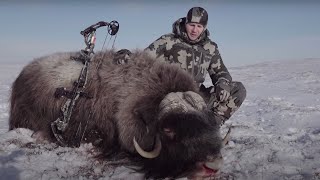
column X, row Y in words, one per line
column 247, row 32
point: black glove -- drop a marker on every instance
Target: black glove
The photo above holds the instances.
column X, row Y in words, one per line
column 122, row 56
column 222, row 90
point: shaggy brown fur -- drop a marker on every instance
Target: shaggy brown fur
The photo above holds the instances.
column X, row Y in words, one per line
column 125, row 101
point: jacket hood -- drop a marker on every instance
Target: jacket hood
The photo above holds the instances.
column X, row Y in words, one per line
column 179, row 30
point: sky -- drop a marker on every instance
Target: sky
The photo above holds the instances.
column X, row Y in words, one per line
column 247, row 32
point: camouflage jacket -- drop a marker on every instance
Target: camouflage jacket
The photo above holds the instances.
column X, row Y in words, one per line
column 197, row 57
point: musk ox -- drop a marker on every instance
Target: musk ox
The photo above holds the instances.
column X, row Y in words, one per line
column 148, row 109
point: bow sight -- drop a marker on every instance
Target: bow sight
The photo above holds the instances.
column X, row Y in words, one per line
column 61, row 123
column 90, row 32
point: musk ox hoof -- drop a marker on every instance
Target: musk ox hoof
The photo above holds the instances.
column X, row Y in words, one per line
column 41, row 137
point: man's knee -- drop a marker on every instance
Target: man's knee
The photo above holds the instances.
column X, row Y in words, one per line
column 238, row 92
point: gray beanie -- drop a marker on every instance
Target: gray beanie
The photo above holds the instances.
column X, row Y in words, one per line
column 197, row 15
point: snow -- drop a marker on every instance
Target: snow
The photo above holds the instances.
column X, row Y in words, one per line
column 275, row 134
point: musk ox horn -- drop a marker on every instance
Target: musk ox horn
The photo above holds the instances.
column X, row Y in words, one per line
column 181, row 101
column 152, row 154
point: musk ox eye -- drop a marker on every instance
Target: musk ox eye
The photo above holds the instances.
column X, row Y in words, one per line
column 169, row 133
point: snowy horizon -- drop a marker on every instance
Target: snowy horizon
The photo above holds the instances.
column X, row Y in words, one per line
column 275, row 133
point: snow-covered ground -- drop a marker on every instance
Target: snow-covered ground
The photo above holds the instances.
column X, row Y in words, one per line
column 275, row 134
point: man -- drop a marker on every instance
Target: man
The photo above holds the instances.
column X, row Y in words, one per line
column 189, row 47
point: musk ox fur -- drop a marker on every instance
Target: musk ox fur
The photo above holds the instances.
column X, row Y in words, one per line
column 146, row 108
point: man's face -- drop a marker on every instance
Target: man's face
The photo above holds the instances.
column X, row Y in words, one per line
column 194, row 30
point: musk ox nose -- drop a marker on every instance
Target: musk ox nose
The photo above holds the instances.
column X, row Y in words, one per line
column 210, row 168
column 214, row 162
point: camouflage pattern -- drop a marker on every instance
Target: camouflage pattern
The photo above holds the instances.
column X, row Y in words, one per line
column 198, row 58
column 224, row 110
column 197, row 15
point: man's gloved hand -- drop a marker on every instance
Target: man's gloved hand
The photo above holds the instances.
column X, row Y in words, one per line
column 222, row 90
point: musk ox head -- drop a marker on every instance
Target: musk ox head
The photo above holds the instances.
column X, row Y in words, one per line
column 174, row 131
column 187, row 141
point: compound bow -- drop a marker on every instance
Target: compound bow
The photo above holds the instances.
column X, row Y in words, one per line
column 61, row 123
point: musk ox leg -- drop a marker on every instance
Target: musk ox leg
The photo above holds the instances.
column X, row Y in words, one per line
column 42, row 132
column 24, row 115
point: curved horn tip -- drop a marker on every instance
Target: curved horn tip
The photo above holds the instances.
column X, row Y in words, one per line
column 150, row 155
